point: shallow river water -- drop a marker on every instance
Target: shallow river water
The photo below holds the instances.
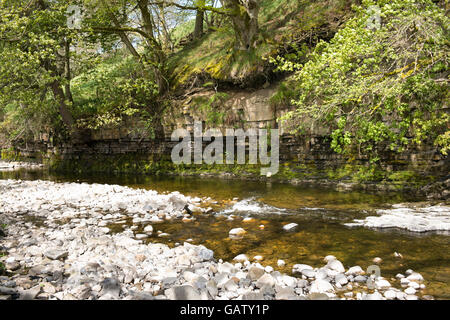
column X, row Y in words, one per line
column 320, row 213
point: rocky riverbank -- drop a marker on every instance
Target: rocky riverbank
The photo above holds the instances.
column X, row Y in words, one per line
column 58, row 244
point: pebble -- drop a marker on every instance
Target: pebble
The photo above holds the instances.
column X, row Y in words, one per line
column 404, row 281
column 382, row 284
column 237, row 232
column 341, row 279
column 268, row 269
column 377, row 260
column 56, row 254
column 390, row 294
column 82, row 259
column 309, row 273
column 265, row 280
column 148, row 229
column 336, row 265
column 255, row 273
column 356, row 270
column 185, row 292
column 281, row 263
column 298, row 268
column 360, row 279
column 321, row 286
column 410, row 291
column 414, row 276
column 290, row 227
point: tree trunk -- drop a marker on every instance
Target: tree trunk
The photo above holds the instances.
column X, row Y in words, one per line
column 59, row 95
column 67, row 71
column 198, row 31
column 244, row 16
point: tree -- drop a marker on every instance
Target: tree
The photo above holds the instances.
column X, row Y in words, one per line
column 35, row 61
column 244, row 16
column 377, row 89
column 121, row 18
column 200, row 16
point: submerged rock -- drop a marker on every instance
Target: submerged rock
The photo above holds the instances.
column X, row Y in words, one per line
column 237, row 232
column 290, row 227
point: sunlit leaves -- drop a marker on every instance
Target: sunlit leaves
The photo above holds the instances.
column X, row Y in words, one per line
column 383, row 82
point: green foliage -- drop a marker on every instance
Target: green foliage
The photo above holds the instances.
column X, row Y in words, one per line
column 215, row 56
column 29, row 45
column 115, row 89
column 377, row 87
column 213, row 107
column 182, row 31
column 283, row 96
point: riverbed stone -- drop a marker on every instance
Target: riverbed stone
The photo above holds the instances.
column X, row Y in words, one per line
column 253, row 296
column 185, row 292
column 415, row 276
column 298, row 268
column 321, row 286
column 356, row 270
column 111, row 286
column 286, row 294
column 360, row 279
column 414, row 285
column 211, row 286
column 309, row 273
column 390, row 294
column 30, row 294
column 336, row 265
column 254, row 273
column 382, row 284
column 148, row 229
column 56, row 254
column 410, row 291
column 241, row 258
column 373, row 296
column 226, row 268
column 7, row 291
column 265, row 280
column 281, row 263
column 340, row 279
column 237, row 232
column 95, row 265
column 290, row 227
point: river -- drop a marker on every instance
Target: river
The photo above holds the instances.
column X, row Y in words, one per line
column 319, row 212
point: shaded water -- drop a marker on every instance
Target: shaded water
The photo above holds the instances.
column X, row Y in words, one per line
column 319, row 212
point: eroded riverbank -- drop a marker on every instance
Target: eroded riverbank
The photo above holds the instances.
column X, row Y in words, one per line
column 61, row 244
